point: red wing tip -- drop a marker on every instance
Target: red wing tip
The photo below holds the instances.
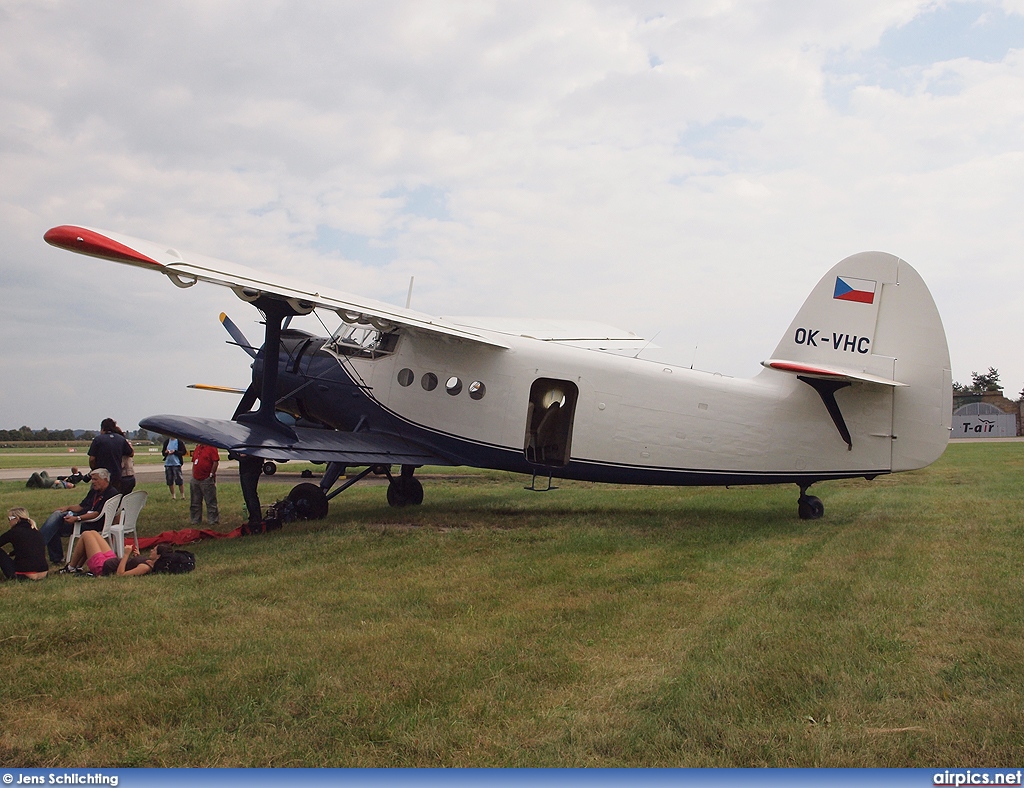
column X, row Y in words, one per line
column 63, row 235
column 89, row 242
column 790, row 367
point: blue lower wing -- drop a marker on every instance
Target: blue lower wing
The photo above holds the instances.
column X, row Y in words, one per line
column 303, row 443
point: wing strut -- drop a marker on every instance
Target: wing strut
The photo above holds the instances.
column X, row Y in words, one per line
column 827, row 391
column 276, row 312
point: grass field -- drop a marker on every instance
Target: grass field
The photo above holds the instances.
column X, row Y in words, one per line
column 589, row 626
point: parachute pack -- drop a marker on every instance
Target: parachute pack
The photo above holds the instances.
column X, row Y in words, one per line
column 177, row 562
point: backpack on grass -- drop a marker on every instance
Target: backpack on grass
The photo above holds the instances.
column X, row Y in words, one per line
column 177, row 562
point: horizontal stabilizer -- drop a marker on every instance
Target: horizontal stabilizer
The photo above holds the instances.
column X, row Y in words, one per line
column 311, row 445
column 821, row 371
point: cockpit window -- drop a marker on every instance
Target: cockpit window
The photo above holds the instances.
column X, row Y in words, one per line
column 361, row 341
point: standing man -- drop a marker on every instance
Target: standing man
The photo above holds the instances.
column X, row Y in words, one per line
column 174, row 452
column 250, row 469
column 108, row 450
column 203, row 486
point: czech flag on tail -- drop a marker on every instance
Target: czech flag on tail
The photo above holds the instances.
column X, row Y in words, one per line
column 850, row 289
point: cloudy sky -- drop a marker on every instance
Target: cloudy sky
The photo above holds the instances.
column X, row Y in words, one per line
column 682, row 169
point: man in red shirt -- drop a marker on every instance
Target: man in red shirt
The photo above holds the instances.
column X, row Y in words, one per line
column 203, row 485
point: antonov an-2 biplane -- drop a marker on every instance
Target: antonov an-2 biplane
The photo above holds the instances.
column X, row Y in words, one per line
column 859, row 385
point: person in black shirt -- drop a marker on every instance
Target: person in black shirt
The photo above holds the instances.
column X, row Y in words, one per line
column 28, row 559
column 108, row 450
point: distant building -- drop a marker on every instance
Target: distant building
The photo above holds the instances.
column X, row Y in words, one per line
column 988, row 415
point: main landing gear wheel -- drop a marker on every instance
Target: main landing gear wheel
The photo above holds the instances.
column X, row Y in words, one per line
column 269, row 468
column 309, row 500
column 405, row 491
column 810, row 507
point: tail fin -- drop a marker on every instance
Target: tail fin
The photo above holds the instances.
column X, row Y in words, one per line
column 871, row 323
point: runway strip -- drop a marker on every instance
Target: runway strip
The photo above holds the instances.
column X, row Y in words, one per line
column 227, row 471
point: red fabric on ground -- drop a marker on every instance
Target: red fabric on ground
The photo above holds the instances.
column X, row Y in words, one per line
column 184, row 536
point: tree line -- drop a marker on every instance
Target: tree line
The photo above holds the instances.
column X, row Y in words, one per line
column 29, row 434
column 981, row 383
column 25, row 434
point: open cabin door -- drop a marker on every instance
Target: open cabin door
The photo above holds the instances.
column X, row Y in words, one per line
column 549, row 418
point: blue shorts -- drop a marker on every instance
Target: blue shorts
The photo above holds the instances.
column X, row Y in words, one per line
column 173, row 475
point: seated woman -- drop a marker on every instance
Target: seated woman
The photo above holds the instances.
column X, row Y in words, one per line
column 28, row 559
column 93, row 549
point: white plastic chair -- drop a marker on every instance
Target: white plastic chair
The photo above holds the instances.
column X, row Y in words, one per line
column 131, row 505
column 106, row 515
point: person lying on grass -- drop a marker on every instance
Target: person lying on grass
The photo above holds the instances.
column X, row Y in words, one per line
column 93, row 550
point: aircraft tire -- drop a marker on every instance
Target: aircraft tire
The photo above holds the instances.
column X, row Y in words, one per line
column 810, row 507
column 309, row 500
column 414, row 491
column 269, row 468
column 395, row 496
column 405, row 491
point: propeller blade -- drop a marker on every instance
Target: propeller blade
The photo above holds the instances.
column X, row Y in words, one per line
column 211, row 387
column 237, row 335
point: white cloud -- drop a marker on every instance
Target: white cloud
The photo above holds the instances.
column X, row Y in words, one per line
column 644, row 164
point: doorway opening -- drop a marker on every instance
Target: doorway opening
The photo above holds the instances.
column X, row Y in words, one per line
column 549, row 418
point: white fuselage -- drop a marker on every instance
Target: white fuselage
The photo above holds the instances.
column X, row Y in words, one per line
column 631, row 414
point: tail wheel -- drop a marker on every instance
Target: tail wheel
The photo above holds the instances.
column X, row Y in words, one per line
column 405, row 491
column 810, row 507
column 309, row 500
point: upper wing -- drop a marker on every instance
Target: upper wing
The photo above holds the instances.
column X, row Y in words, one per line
column 313, row 445
column 249, row 284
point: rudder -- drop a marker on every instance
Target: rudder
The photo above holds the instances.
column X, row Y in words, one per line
column 871, row 321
